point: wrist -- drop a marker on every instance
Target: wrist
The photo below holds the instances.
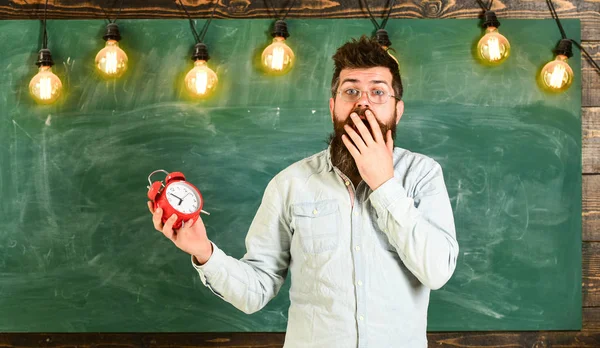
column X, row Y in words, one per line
column 203, row 255
column 378, row 184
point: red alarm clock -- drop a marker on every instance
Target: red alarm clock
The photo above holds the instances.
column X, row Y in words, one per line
column 175, row 196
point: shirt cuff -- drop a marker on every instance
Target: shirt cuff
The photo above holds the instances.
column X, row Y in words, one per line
column 211, row 267
column 387, row 194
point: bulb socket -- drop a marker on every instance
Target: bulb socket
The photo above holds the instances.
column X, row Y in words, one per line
column 280, row 30
column 490, row 19
column 44, row 58
column 382, row 38
column 200, row 52
column 112, row 32
column 564, row 47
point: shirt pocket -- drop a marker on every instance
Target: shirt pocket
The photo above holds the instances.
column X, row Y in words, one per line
column 317, row 225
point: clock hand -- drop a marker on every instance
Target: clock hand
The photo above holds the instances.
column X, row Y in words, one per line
column 180, row 199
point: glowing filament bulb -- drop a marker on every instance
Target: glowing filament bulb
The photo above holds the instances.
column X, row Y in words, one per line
column 557, row 75
column 201, row 80
column 493, row 48
column 45, row 86
column 387, row 49
column 278, row 57
column 111, row 60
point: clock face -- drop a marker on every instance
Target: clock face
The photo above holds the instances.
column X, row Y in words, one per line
column 183, row 197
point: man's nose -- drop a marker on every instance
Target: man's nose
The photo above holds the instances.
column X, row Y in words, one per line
column 363, row 101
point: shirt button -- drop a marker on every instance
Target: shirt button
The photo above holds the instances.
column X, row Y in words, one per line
column 347, row 183
column 357, row 248
column 315, row 212
column 359, row 283
column 361, row 318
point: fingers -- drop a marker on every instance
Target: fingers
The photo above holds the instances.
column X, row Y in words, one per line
column 188, row 224
column 359, row 144
column 167, row 229
column 186, row 227
column 351, row 148
column 364, row 131
column 374, row 126
column 151, row 207
column 157, row 219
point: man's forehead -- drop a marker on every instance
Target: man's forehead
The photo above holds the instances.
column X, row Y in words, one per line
column 366, row 75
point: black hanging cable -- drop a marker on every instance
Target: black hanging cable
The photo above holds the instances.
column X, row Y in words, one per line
column 280, row 26
column 485, row 8
column 35, row 13
column 43, row 20
column 44, row 55
column 199, row 37
column 586, row 54
column 200, row 49
column 381, row 35
column 383, row 24
column 106, row 14
column 205, row 28
column 371, row 16
column 562, row 50
column 118, row 13
column 489, row 16
column 45, row 37
column 191, row 23
column 385, row 20
column 275, row 12
column 555, row 16
column 288, row 10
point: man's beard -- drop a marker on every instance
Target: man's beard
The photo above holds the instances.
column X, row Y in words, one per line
column 340, row 156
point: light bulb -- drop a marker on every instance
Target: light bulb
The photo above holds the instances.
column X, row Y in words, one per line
column 387, row 49
column 201, row 80
column 45, row 86
column 557, row 75
column 111, row 60
column 278, row 58
column 493, row 47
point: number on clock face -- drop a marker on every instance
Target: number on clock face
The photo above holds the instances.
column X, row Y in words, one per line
column 183, row 198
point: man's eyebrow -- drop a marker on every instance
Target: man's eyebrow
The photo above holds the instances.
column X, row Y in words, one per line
column 372, row 81
column 349, row 80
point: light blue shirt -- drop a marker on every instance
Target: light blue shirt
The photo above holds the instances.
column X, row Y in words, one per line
column 362, row 262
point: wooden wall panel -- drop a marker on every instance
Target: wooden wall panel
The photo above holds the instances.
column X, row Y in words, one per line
column 590, row 131
column 586, row 10
column 591, row 208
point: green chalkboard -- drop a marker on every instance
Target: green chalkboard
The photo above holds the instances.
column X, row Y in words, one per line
column 77, row 248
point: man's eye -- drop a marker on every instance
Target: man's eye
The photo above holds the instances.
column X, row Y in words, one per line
column 378, row 92
column 352, row 92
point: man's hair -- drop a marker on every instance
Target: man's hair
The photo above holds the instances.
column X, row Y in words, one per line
column 362, row 54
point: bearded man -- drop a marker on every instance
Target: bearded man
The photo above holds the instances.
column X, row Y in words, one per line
column 365, row 228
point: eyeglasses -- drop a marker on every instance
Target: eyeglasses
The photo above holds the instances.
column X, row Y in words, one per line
column 375, row 96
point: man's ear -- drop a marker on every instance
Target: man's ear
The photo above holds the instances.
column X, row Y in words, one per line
column 331, row 106
column 399, row 110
